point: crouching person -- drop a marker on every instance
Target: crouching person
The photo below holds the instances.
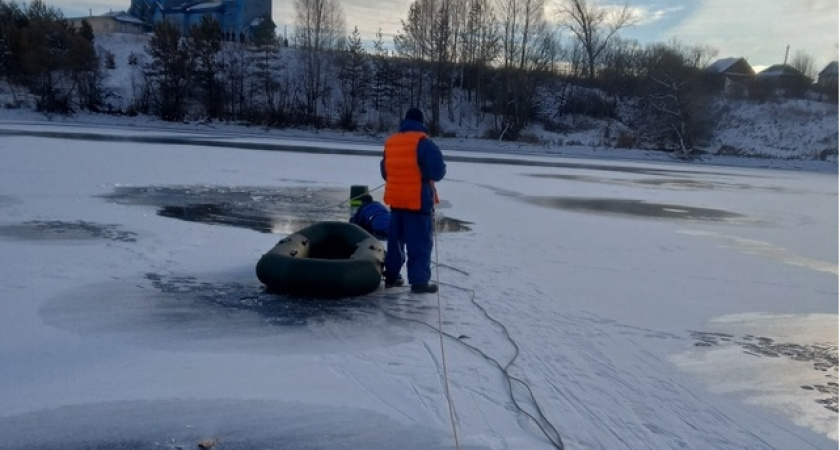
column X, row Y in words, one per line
column 373, row 216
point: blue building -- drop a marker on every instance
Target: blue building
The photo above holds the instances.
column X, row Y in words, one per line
column 236, row 17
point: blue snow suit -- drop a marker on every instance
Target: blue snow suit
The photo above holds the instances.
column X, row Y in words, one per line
column 374, row 217
column 410, row 236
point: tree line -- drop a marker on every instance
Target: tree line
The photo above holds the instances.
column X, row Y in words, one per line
column 499, row 64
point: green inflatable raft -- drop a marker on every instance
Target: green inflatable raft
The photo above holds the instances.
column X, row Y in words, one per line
column 326, row 259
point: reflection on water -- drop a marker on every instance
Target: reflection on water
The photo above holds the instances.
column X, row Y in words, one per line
column 787, row 362
column 635, row 208
column 767, row 250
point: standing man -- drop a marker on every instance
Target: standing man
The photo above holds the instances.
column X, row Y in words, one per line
column 411, row 164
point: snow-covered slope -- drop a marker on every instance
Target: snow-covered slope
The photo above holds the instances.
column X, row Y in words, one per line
column 795, row 129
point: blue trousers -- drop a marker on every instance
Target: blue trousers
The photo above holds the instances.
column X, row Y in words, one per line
column 410, row 241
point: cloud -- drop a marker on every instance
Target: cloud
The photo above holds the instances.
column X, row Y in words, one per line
column 761, row 31
column 650, row 16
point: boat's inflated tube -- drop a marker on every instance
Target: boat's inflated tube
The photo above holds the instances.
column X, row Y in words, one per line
column 327, row 259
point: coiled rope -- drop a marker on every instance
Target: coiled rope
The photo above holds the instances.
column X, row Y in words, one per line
column 538, row 416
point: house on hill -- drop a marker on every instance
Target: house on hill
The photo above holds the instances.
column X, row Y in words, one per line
column 112, row 22
column 238, row 18
column 827, row 78
column 731, row 76
column 784, row 77
column 780, row 72
column 827, row 81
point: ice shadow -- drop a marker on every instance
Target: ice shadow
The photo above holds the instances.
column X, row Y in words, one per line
column 683, row 183
column 634, row 208
column 228, row 424
column 231, row 312
column 52, row 230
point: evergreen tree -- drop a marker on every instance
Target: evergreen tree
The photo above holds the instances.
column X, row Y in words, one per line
column 12, row 21
column 265, row 57
column 204, row 45
column 353, row 77
column 86, row 30
column 383, row 92
column 169, row 71
column 85, row 68
column 54, row 58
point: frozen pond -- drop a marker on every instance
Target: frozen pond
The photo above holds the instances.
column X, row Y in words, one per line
column 584, row 304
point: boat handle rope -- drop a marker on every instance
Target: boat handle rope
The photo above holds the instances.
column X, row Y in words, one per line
column 350, row 199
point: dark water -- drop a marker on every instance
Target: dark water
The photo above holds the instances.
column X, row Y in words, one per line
column 267, row 210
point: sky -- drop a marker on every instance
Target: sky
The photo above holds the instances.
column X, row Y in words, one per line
column 124, row 326
column 758, row 30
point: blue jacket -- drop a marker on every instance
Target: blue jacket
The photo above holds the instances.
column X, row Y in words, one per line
column 374, row 217
column 430, row 160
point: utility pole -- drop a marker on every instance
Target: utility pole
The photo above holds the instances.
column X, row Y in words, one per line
column 787, row 50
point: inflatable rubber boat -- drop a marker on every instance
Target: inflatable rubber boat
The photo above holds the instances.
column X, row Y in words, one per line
column 326, row 259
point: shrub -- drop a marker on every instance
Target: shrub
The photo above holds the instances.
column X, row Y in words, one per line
column 589, row 104
column 530, row 138
column 625, row 139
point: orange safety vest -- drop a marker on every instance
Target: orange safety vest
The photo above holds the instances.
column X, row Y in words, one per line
column 404, row 183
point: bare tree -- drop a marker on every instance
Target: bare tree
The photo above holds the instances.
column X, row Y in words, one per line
column 525, row 35
column 804, row 63
column 593, row 26
column 414, row 43
column 319, row 29
column 621, row 72
column 528, row 48
column 429, row 39
column 676, row 111
column 508, row 14
column 533, row 27
column 480, row 46
column 233, row 74
column 444, row 45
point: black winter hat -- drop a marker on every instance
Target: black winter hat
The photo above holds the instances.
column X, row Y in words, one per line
column 414, row 114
